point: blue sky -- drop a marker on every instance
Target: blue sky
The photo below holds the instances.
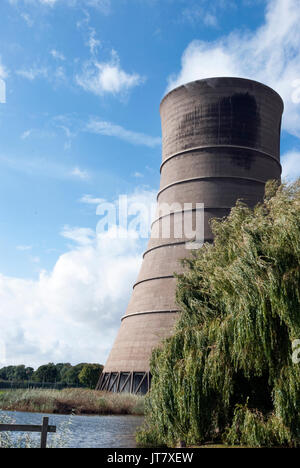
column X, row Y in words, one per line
column 79, row 122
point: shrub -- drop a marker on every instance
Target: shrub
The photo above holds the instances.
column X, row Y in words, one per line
column 227, row 371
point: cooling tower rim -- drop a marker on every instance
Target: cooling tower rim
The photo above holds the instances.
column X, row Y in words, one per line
column 232, row 78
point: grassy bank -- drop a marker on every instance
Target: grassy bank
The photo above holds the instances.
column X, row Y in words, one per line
column 67, row 401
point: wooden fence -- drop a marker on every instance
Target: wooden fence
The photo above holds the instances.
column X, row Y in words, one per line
column 43, row 429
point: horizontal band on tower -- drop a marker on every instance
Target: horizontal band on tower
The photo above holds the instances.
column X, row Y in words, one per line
column 205, row 147
column 170, row 244
column 205, row 208
column 153, row 279
column 147, row 312
column 195, row 179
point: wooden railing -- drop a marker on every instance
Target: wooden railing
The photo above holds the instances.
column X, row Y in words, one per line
column 43, row 429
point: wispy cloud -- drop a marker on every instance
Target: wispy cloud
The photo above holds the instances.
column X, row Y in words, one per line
column 55, row 75
column 3, row 71
column 69, row 125
column 28, row 19
column 205, row 12
column 80, row 174
column 138, row 175
column 102, row 5
column 26, row 134
column 107, row 77
column 33, row 73
column 82, row 236
column 37, row 133
column 24, row 248
column 3, row 76
column 93, row 42
column 195, row 14
column 57, row 55
column 270, row 54
column 35, row 259
column 109, row 129
column 90, row 200
column 44, row 167
column 291, row 165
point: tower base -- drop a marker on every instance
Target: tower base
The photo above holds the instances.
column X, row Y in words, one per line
column 137, row 383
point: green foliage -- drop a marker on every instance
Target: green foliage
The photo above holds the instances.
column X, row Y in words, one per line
column 227, row 371
column 89, row 375
column 251, row 428
column 46, row 373
column 16, row 373
column 71, row 376
column 62, row 368
column 62, row 373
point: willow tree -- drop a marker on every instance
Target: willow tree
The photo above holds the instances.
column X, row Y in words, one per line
column 227, row 372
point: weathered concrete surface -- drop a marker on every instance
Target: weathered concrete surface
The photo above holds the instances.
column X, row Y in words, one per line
column 221, row 142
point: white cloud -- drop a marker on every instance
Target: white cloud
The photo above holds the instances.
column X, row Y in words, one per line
column 24, row 248
column 37, row 133
column 48, row 2
column 88, row 199
column 27, row 18
column 82, row 236
column 35, row 259
column 291, row 165
column 57, row 55
column 59, row 75
column 26, row 134
column 33, row 73
column 3, row 71
column 72, row 313
column 107, row 77
column 55, row 75
column 271, row 54
column 195, row 14
column 46, row 167
column 109, row 129
column 2, row 92
column 210, row 20
column 77, row 172
column 93, row 42
column 102, row 5
column 3, row 76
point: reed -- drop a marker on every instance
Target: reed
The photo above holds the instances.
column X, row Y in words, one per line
column 68, row 401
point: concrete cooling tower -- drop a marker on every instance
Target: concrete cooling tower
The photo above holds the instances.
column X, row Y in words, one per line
column 221, row 143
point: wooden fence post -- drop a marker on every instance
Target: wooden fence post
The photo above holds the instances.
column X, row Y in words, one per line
column 43, row 429
column 44, row 433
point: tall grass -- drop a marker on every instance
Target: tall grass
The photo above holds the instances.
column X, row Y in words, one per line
column 68, row 401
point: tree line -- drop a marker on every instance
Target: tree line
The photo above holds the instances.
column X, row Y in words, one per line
column 83, row 374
